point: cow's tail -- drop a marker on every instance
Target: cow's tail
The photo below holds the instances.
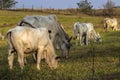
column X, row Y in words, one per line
column 10, row 43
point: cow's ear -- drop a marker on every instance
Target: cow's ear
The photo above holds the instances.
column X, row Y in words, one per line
column 57, row 58
column 49, row 31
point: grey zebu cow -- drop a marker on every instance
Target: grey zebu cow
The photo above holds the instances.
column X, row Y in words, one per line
column 58, row 36
column 110, row 23
column 26, row 40
column 84, row 32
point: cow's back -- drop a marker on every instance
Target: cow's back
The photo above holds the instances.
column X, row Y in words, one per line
column 81, row 28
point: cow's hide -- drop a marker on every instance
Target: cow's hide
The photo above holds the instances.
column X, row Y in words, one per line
column 111, row 23
column 26, row 40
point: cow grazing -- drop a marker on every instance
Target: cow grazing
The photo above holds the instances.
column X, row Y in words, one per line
column 84, row 32
column 59, row 37
column 26, row 40
column 110, row 23
column 92, row 33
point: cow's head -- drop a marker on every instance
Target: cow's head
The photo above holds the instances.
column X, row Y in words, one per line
column 52, row 62
column 98, row 38
column 65, row 47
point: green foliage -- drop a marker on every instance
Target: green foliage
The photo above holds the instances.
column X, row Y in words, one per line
column 109, row 8
column 85, row 6
column 6, row 4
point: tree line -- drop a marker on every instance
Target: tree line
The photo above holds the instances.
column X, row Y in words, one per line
column 86, row 7
column 83, row 6
column 6, row 4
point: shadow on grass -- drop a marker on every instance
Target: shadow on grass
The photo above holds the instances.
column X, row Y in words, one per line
column 98, row 51
column 113, row 76
column 113, row 33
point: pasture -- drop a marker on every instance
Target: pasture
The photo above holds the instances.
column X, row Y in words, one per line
column 79, row 65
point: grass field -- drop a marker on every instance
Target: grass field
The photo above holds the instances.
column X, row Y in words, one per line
column 79, row 65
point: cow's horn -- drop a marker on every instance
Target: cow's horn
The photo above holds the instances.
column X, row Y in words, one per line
column 69, row 39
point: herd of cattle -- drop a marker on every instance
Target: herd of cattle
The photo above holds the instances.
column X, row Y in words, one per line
column 39, row 35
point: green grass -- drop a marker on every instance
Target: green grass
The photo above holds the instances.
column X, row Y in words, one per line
column 79, row 64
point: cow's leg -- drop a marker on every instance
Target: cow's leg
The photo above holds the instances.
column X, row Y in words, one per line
column 86, row 40
column 105, row 27
column 25, row 60
column 39, row 56
column 10, row 59
column 115, row 28
column 35, row 57
column 76, row 42
column 81, row 39
column 21, row 59
column 77, row 39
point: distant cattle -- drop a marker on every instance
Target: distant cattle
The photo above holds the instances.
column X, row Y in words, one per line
column 25, row 41
column 59, row 37
column 110, row 23
column 84, row 32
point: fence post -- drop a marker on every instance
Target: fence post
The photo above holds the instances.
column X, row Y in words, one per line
column 119, row 59
column 93, row 60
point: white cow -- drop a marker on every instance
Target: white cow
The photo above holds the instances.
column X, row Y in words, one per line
column 84, row 32
column 92, row 33
column 111, row 23
column 26, row 40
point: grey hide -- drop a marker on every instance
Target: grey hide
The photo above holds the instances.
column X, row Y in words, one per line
column 58, row 36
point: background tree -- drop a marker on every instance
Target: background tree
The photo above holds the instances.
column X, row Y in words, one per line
column 6, row 4
column 85, row 6
column 109, row 8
